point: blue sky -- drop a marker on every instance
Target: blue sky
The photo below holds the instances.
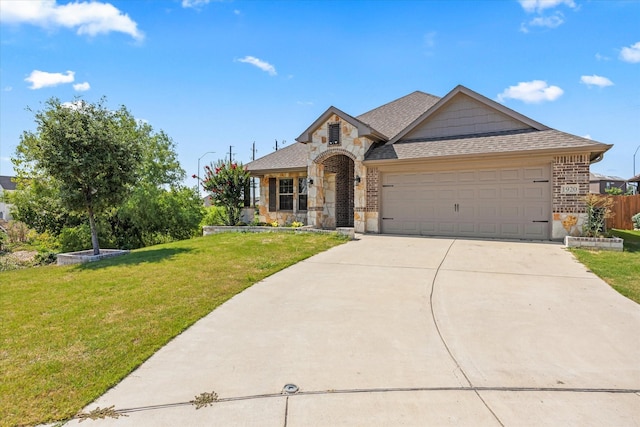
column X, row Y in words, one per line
column 218, row 73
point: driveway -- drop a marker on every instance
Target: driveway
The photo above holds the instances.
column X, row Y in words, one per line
column 387, row 331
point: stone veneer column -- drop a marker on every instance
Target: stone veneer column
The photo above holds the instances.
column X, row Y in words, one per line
column 569, row 210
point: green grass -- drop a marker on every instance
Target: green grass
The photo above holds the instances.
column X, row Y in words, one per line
column 621, row 270
column 70, row 333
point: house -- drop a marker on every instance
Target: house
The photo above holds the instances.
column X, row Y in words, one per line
column 461, row 165
column 7, row 184
column 599, row 184
column 635, row 182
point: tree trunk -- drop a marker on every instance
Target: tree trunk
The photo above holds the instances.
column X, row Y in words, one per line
column 94, row 232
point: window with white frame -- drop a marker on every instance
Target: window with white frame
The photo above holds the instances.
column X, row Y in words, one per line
column 285, row 194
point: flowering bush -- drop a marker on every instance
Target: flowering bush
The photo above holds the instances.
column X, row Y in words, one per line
column 228, row 184
column 296, row 224
column 274, row 224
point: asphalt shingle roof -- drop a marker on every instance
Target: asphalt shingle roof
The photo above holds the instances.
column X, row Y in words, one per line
column 7, row 183
column 494, row 143
column 392, row 118
column 293, row 156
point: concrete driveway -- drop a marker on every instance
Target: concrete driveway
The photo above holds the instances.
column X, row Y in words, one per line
column 387, row 331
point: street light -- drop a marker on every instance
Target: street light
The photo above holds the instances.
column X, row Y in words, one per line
column 200, row 158
column 634, row 161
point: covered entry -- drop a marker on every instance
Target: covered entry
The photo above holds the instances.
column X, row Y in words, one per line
column 338, row 191
column 498, row 202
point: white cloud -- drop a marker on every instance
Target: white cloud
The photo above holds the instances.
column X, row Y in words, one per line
column 7, row 88
column 600, row 57
column 540, row 5
column 531, row 92
column 430, row 39
column 40, row 79
column 91, row 18
column 82, row 87
column 195, row 4
column 306, row 103
column 263, row 65
column 75, row 105
column 553, row 21
column 631, row 53
column 596, row 81
column 587, row 136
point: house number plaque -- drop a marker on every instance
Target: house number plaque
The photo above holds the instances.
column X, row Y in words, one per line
column 570, row 189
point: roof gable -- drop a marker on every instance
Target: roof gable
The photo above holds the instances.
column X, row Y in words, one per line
column 464, row 112
column 363, row 128
column 393, row 117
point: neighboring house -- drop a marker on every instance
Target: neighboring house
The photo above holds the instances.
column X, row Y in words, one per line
column 6, row 184
column 461, row 165
column 635, row 182
column 599, row 184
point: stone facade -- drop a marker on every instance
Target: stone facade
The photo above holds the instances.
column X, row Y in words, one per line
column 338, row 196
column 282, row 217
column 570, row 187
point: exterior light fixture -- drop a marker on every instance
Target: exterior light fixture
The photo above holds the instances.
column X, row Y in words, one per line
column 357, row 179
column 310, row 181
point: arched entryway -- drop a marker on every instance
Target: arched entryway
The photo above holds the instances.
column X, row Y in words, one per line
column 338, row 186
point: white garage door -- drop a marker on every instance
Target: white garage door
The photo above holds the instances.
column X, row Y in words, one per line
column 510, row 203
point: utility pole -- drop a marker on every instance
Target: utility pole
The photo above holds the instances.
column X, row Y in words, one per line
column 253, row 180
column 230, row 154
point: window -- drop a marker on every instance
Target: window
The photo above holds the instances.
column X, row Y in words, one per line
column 334, row 133
column 302, row 194
column 285, row 190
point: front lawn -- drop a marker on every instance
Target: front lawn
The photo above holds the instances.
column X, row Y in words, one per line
column 70, row 333
column 619, row 269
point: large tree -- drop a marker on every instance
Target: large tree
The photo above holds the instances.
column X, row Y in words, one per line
column 90, row 151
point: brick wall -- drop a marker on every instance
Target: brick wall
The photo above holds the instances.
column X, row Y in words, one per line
column 342, row 166
column 372, row 190
column 570, row 169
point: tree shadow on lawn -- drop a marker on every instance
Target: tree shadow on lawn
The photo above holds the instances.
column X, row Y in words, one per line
column 134, row 258
column 631, row 239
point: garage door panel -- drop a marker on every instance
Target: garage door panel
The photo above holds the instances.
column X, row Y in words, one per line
column 448, row 177
column 488, row 229
column 535, row 173
column 487, row 193
column 467, row 193
column 508, row 229
column 510, row 174
column 510, row 193
column 467, row 228
column 488, row 175
column 497, row 202
column 510, row 212
column 535, row 230
column 467, row 177
column 536, row 193
column 446, row 227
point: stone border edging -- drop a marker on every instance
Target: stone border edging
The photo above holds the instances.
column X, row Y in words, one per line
column 81, row 257
column 215, row 229
column 603, row 243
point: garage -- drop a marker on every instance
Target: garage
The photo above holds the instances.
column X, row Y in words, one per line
column 506, row 202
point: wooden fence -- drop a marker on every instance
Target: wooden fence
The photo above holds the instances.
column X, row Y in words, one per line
column 624, row 207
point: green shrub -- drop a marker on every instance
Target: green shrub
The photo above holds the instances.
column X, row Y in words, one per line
column 214, row 215
column 75, row 238
column 636, row 221
column 45, row 258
